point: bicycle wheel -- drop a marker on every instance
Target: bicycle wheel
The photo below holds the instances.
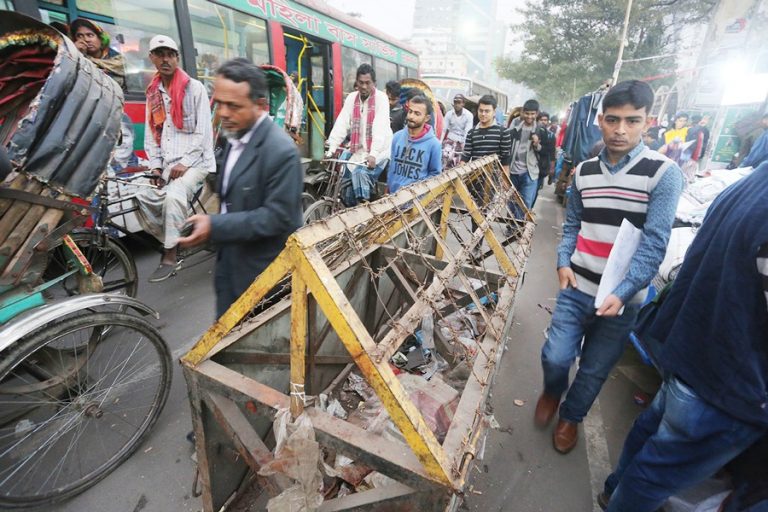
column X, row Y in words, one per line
column 109, row 259
column 318, row 210
column 307, row 199
column 77, row 398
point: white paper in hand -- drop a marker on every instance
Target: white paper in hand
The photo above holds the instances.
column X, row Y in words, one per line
column 617, row 266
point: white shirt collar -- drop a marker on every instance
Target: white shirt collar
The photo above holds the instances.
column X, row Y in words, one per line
column 246, row 138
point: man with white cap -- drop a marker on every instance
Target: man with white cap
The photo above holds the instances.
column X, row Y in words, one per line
column 178, row 140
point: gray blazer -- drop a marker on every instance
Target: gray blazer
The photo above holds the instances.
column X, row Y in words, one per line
column 263, row 200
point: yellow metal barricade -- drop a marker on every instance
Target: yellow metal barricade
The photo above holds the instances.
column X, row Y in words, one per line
column 354, row 288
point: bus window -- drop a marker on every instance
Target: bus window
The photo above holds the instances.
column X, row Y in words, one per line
column 385, row 71
column 221, row 34
column 49, row 17
column 350, row 61
column 7, row 5
column 136, row 23
column 479, row 90
column 103, row 7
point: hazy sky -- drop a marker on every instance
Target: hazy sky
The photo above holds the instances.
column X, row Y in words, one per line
column 395, row 17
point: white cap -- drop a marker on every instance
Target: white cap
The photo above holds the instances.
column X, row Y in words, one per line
column 161, row 41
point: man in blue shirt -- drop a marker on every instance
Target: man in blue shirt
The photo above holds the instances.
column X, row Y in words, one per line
column 416, row 152
column 626, row 181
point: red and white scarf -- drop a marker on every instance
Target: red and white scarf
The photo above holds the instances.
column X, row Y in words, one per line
column 354, row 136
column 156, row 109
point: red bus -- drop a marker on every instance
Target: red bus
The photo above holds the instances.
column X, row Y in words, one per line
column 321, row 45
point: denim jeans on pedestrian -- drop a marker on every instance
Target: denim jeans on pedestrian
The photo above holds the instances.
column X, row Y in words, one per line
column 604, row 339
column 679, row 441
column 539, row 186
column 527, row 188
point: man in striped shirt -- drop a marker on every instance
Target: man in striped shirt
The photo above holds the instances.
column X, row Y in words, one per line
column 713, row 325
column 486, row 138
column 626, row 181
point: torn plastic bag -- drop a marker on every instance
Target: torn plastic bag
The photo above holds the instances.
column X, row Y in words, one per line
column 297, row 455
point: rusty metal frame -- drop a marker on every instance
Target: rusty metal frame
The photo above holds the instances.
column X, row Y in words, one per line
column 423, row 467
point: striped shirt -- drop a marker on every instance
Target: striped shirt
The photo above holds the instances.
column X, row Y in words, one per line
column 493, row 140
column 192, row 145
column 643, row 188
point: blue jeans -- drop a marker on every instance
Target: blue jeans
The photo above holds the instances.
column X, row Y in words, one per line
column 574, row 318
column 527, row 187
column 677, row 442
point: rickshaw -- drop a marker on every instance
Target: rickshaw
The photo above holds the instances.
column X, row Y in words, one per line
column 83, row 378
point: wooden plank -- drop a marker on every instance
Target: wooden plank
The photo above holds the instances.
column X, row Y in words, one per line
column 16, row 214
column 19, row 182
column 213, row 493
column 445, row 214
column 16, row 269
column 389, row 457
column 402, row 284
column 313, row 309
column 298, row 343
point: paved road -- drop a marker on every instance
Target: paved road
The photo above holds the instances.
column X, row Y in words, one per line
column 520, row 471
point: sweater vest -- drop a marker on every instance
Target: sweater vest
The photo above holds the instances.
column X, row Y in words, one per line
column 608, row 199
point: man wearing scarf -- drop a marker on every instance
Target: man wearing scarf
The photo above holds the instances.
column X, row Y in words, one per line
column 178, row 139
column 93, row 42
column 365, row 118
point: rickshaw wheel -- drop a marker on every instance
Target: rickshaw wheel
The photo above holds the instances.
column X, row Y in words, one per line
column 77, row 398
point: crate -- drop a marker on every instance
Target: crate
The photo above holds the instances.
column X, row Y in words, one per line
column 358, row 285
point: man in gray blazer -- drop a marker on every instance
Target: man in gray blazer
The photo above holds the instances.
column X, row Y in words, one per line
column 260, row 183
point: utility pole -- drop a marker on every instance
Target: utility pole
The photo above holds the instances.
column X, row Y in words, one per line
column 617, row 67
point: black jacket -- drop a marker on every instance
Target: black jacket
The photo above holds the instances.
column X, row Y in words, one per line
column 263, row 200
column 397, row 118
